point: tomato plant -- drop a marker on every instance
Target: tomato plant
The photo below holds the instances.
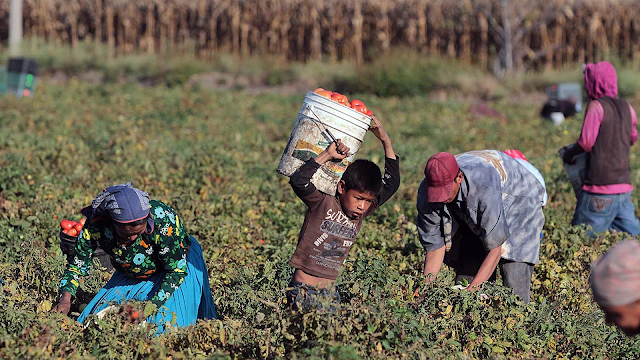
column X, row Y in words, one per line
column 211, row 156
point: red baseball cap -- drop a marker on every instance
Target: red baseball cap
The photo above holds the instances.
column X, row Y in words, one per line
column 442, row 168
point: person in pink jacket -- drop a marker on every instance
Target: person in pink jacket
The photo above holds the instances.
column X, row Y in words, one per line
column 608, row 131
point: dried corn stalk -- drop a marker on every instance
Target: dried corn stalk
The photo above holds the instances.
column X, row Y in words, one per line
column 546, row 33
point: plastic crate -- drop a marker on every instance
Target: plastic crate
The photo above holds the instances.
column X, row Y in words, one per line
column 21, row 76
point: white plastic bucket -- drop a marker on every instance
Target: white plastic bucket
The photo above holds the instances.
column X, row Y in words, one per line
column 557, row 118
column 309, row 138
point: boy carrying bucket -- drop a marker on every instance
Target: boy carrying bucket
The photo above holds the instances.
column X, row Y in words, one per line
column 332, row 222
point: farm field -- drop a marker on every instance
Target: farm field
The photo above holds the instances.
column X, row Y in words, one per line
column 212, row 156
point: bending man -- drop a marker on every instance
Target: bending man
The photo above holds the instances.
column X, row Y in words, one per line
column 493, row 208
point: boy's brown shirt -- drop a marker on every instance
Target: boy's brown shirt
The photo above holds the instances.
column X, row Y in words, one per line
column 327, row 234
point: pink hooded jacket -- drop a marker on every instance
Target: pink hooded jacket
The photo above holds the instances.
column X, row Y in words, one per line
column 601, row 80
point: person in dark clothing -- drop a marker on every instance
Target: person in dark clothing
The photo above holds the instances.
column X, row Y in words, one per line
column 565, row 106
column 332, row 223
column 608, row 131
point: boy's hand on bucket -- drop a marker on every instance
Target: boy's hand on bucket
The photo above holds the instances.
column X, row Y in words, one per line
column 338, row 150
column 335, row 152
column 378, row 130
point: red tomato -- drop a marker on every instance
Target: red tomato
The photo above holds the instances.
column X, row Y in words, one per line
column 134, row 314
column 83, row 221
column 66, row 224
column 361, row 108
column 72, row 232
column 342, row 99
column 325, row 93
column 78, row 227
column 318, row 90
column 369, row 113
column 355, row 102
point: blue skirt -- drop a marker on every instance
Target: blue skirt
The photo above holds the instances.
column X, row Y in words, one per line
column 191, row 301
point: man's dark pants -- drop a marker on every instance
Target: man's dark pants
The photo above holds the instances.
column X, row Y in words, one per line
column 516, row 275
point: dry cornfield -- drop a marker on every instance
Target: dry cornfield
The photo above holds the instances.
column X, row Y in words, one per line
column 544, row 33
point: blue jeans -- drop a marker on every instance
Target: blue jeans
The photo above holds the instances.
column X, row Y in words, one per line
column 604, row 212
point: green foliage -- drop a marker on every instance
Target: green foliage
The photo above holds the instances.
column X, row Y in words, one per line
column 401, row 74
column 628, row 78
column 212, row 156
column 628, row 82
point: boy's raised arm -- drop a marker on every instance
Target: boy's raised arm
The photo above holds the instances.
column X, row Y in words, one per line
column 384, row 138
column 391, row 177
column 301, row 180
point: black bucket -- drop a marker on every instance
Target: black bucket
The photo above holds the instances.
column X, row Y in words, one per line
column 68, row 246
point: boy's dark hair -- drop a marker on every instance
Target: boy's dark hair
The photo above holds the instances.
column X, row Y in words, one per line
column 363, row 176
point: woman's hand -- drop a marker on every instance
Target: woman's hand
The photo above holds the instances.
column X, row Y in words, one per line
column 64, row 304
column 570, row 152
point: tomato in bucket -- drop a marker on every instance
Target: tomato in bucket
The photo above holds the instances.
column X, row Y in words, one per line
column 319, row 122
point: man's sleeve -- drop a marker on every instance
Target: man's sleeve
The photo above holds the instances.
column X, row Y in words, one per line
column 301, row 183
column 390, row 179
column 429, row 223
column 492, row 221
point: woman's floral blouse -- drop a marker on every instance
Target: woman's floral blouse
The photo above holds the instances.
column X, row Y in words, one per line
column 164, row 249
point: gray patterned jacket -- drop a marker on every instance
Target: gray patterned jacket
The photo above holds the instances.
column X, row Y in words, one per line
column 500, row 201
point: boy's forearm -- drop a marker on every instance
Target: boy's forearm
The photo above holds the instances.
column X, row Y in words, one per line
column 388, row 148
column 301, row 180
column 322, row 158
column 390, row 179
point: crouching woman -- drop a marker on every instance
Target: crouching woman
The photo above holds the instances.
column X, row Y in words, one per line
column 155, row 259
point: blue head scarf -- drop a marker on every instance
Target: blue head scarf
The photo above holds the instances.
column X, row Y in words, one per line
column 122, row 203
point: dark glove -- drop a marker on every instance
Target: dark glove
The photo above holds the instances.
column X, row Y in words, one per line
column 567, row 157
